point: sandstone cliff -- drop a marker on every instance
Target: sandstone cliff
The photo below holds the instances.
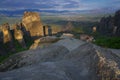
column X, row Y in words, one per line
column 6, row 33
column 32, row 23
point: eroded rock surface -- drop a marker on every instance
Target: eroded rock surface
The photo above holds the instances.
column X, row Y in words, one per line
column 18, row 35
column 60, row 61
column 7, row 37
column 44, row 42
column 32, row 23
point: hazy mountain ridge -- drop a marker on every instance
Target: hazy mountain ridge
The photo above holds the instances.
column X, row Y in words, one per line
column 13, row 13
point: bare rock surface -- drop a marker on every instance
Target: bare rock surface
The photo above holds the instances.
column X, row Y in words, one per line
column 67, row 59
column 67, row 35
column 116, row 51
column 44, row 42
column 70, row 43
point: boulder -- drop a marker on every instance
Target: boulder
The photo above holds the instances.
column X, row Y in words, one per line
column 67, row 35
column 86, row 38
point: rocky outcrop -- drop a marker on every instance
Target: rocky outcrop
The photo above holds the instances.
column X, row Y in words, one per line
column 117, row 22
column 67, row 35
column 32, row 23
column 107, row 69
column 67, row 59
column 32, row 57
column 7, row 37
column 18, row 35
column 44, row 42
column 86, row 37
column 110, row 25
column 2, row 49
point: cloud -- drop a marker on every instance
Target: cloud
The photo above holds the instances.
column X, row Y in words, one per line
column 59, row 5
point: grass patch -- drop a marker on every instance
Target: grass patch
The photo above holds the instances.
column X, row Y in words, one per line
column 18, row 48
column 108, row 42
column 2, row 58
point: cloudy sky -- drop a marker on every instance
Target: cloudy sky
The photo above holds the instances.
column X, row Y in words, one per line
column 61, row 5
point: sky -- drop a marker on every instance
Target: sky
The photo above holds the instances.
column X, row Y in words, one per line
column 61, row 5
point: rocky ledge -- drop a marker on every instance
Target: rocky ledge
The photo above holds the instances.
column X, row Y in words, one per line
column 66, row 59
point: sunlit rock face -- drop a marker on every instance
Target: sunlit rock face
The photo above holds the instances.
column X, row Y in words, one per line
column 32, row 23
column 7, row 37
column 18, row 34
column 6, row 33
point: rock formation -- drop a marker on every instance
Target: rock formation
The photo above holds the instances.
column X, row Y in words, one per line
column 110, row 25
column 7, row 37
column 67, row 35
column 47, row 30
column 18, row 35
column 1, row 37
column 67, row 59
column 6, row 33
column 114, row 30
column 44, row 42
column 32, row 23
column 44, row 30
column 2, row 48
column 86, row 37
column 117, row 22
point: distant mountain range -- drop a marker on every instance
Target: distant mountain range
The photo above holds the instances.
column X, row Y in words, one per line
column 16, row 13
